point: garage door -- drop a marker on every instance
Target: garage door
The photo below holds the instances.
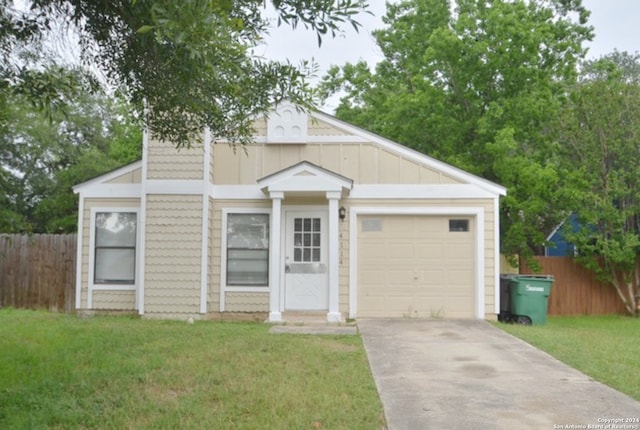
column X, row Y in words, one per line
column 416, row 266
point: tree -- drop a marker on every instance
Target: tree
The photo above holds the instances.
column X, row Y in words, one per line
column 190, row 61
column 42, row 156
column 476, row 87
column 599, row 139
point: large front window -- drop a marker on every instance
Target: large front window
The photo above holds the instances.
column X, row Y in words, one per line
column 248, row 249
column 115, row 248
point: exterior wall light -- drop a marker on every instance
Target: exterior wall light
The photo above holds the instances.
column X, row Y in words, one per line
column 342, row 212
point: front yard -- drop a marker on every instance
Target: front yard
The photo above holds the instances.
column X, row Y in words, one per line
column 58, row 371
column 607, row 348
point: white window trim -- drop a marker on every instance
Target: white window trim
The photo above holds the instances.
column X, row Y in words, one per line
column 476, row 212
column 92, row 255
column 224, row 288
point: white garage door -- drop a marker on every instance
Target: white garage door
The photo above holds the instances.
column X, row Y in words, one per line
column 416, row 266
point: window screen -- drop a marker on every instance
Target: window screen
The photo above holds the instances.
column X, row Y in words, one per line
column 248, row 249
column 115, row 248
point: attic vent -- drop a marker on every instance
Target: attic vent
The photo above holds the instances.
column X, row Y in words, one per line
column 287, row 125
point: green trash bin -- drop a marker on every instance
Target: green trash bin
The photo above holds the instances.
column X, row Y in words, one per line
column 529, row 298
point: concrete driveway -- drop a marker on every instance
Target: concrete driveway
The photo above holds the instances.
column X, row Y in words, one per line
column 455, row 374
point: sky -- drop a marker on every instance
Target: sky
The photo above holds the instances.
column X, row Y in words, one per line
column 615, row 23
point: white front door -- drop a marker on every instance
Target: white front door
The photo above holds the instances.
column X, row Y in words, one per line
column 305, row 259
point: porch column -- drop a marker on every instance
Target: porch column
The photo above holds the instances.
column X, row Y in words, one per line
column 334, row 314
column 275, row 313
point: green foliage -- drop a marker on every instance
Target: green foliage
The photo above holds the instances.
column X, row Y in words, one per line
column 599, row 141
column 476, row 87
column 42, row 155
column 191, row 62
column 59, row 371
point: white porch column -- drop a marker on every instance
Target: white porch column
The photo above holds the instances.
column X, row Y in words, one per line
column 275, row 313
column 334, row 314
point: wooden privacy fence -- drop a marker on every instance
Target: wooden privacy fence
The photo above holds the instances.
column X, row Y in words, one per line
column 38, row 271
column 576, row 291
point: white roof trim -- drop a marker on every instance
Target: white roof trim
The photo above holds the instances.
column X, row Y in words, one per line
column 411, row 154
column 305, row 176
column 106, row 177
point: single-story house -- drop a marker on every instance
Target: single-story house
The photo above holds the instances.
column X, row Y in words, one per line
column 316, row 216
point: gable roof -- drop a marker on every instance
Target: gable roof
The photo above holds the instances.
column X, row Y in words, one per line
column 362, row 135
column 412, row 154
column 106, row 177
column 305, row 176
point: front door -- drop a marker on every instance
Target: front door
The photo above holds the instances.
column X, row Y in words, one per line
column 305, row 259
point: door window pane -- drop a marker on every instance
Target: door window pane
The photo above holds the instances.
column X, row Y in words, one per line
column 306, row 243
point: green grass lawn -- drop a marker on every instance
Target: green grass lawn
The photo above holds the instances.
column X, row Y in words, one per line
column 607, row 348
column 59, row 371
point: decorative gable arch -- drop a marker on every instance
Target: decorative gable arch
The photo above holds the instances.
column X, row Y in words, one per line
column 303, row 178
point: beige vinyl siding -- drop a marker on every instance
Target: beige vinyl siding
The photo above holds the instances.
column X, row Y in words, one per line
column 247, row 302
column 364, row 163
column 343, row 261
column 134, row 177
column 318, row 127
column 211, row 162
column 164, row 161
column 213, row 293
column 86, row 234
column 213, row 248
column 173, row 252
column 260, row 126
column 114, row 300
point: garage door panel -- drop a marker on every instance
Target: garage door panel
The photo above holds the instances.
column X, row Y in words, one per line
column 458, row 276
column 373, row 278
column 414, row 266
column 428, row 250
column 430, row 278
column 398, row 306
column 458, row 251
column 454, row 306
column 373, row 304
column 397, row 250
column 373, row 249
column 398, row 278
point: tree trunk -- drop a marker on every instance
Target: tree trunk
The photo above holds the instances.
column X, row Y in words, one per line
column 628, row 296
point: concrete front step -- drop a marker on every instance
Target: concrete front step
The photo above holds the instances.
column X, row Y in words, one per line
column 314, row 329
column 311, row 323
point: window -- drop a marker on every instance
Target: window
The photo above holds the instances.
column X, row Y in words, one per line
column 115, row 248
column 458, row 225
column 248, row 249
column 306, row 240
